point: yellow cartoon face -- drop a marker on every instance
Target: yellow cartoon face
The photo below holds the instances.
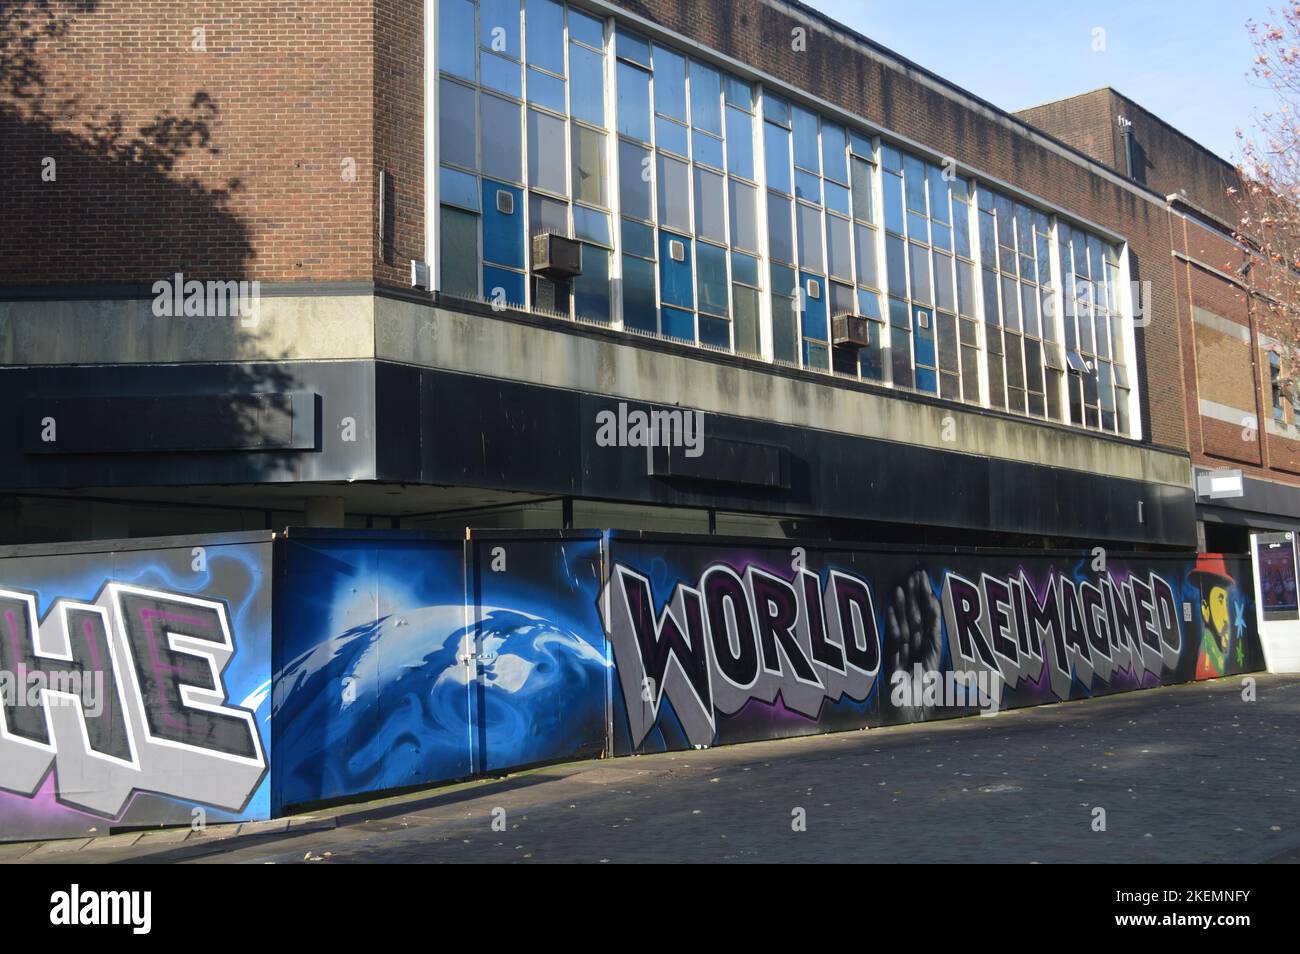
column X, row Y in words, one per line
column 1214, row 608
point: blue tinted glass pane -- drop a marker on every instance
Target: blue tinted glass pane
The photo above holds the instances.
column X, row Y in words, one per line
column 715, row 331
column 869, row 304
column 780, row 231
column 740, row 143
column 545, row 90
column 712, row 265
column 591, row 225
column 776, row 146
column 458, row 188
column 744, row 268
column 638, row 239
column 891, row 158
column 893, row 203
column 498, row 26
column 941, row 236
column 544, row 21
column 806, row 151
column 634, row 173
column 927, row 380
column 706, row 149
column 456, row 44
column 860, row 144
column 914, row 177
column 632, row 47
column 807, row 186
column 670, row 136
column 738, row 92
column 864, row 246
column 900, row 315
column 901, row 356
column 918, row 227
column 776, row 109
column 816, row 355
column 939, row 204
column 706, row 98
column 501, row 74
column 814, row 309
column 503, row 154
column 837, row 197
column 895, row 264
column 670, row 84
column 633, row 102
column 675, row 276
column 639, row 294
column 587, row 29
column 924, row 341
column 834, row 160
column 961, row 228
column 503, row 232
column 587, row 72
column 457, row 124
column 591, row 288
column 679, row 324
column 502, row 285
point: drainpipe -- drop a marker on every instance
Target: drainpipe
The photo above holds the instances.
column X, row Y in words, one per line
column 1126, row 133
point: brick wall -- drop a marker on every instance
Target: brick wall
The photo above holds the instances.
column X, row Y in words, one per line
column 221, row 164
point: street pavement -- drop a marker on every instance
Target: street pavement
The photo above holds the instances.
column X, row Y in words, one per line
column 1190, row 773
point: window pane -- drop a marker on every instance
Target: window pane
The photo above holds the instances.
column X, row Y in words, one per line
column 776, row 146
column 776, row 109
column 458, row 188
column 591, row 225
column 588, row 78
column 548, row 215
column 671, row 136
column 706, row 98
column 501, row 74
column 839, row 247
column 638, row 239
column 896, row 265
column 502, row 151
column 785, row 335
column 914, row 177
column 862, row 191
column 457, row 129
column 744, row 268
column 744, row 215
column 546, row 90
column 961, row 228
column 456, row 44
column 810, row 237
column 544, row 20
column 591, row 288
column 919, row 262
column 834, row 160
column 634, row 180
column 546, row 164
column 706, row 149
column 836, row 196
column 710, row 212
column 745, row 302
column 712, row 264
column 589, row 177
column 893, row 202
column 806, row 151
column 865, row 246
column 670, row 84
column 740, row 143
column 780, row 234
column 901, row 356
column 459, row 234
column 939, row 196
column 674, row 193
column 633, row 102
column 639, row 294
column 944, row 295
column 587, row 29
column 965, row 289
column 498, row 26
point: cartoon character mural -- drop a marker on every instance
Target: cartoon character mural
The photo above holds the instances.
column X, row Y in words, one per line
column 132, row 688
column 717, row 642
column 1221, row 607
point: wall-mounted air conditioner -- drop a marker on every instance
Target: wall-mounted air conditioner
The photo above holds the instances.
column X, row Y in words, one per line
column 556, row 256
column 850, row 331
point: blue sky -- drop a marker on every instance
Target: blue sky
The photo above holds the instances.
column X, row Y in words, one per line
column 1187, row 62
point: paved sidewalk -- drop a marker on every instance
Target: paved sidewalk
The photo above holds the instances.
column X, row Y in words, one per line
column 1185, row 774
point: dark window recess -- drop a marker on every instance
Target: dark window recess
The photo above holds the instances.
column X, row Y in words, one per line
column 170, row 423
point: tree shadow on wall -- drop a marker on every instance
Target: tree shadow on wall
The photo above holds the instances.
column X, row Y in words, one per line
column 90, row 198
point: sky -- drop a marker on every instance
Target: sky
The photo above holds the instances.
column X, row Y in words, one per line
column 1187, row 61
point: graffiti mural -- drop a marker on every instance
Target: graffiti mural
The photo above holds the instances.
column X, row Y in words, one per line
column 402, row 662
column 718, row 642
column 131, row 686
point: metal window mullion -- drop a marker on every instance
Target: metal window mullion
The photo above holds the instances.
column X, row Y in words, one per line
column 614, row 161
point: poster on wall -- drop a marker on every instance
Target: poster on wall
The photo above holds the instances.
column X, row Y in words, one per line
column 731, row 641
column 134, row 685
column 1275, row 555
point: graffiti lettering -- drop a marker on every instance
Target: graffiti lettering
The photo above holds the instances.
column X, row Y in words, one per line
column 161, row 724
column 734, row 638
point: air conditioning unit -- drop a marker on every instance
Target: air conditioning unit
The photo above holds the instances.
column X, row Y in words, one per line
column 850, row 331
column 556, row 256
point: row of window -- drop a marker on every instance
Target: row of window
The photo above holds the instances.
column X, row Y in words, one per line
column 703, row 196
